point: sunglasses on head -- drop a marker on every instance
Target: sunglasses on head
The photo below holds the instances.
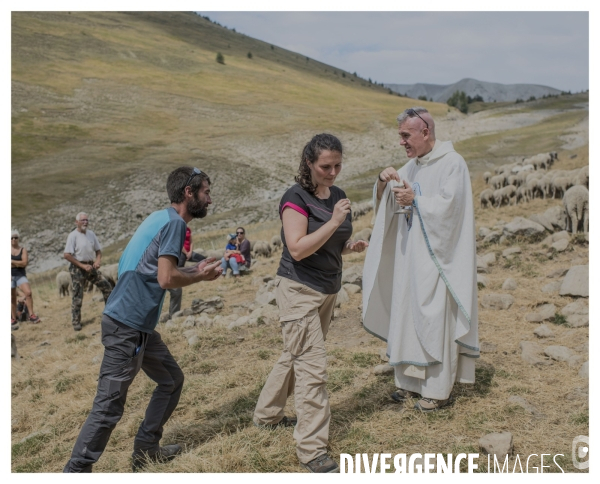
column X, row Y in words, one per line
column 412, row 113
column 194, row 173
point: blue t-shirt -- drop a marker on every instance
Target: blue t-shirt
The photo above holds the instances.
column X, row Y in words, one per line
column 230, row 247
column 137, row 298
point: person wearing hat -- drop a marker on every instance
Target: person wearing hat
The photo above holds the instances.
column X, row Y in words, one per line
column 19, row 260
column 233, row 256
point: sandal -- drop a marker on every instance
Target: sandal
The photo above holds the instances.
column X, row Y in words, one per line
column 34, row 319
column 430, row 404
column 400, row 395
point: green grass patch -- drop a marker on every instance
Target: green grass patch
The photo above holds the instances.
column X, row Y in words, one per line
column 580, row 418
column 365, row 360
column 76, row 339
column 338, row 379
column 30, row 447
column 560, row 320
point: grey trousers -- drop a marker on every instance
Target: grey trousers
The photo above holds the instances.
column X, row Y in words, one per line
column 126, row 351
column 175, row 300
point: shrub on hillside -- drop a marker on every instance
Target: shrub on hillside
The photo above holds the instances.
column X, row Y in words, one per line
column 459, row 100
column 220, row 58
column 249, row 55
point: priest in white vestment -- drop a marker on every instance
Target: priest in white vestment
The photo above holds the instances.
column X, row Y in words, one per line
column 420, row 271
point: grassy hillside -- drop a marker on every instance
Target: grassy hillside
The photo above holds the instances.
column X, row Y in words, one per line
column 97, row 96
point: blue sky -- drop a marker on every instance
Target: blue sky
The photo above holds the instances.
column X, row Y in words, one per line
column 548, row 48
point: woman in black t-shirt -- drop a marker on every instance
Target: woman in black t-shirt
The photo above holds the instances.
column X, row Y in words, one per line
column 316, row 230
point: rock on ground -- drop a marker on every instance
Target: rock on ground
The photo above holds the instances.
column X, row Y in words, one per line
column 524, row 227
column 560, row 272
column 576, row 282
column 543, row 331
column 353, row 275
column 383, row 370
column 509, row 284
column 524, row 404
column 511, row 251
column 558, row 353
column 497, row 301
column 383, row 355
column 551, row 288
column 342, row 297
column 578, row 320
column 481, row 279
column 560, row 245
column 581, row 306
column 489, row 258
column 499, row 444
column 530, row 352
column 352, row 288
column 545, row 312
column 584, row 371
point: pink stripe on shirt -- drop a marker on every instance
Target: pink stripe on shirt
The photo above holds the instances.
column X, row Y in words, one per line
column 293, row 207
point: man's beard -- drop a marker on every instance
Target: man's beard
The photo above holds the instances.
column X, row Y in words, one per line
column 196, row 208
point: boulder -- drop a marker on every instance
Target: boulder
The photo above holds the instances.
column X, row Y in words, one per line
column 497, row 301
column 551, row 288
column 189, row 322
column 558, row 353
column 511, row 251
column 193, row 340
column 576, row 282
column 492, row 237
column 353, row 275
column 489, row 258
column 575, row 361
column 545, row 312
column 541, row 219
column 560, row 245
column 383, row 369
column 342, row 297
column 557, row 217
column 584, row 371
column 580, row 306
column 383, row 354
column 352, row 288
column 499, row 444
column 482, row 265
column 547, row 241
column 524, row 227
column 509, row 284
column 561, row 271
column 199, row 306
column 562, row 235
column 530, row 352
column 578, row 320
column 266, row 314
column 543, row 331
column 239, row 322
column 266, row 298
column 481, row 279
column 484, row 232
column 164, row 317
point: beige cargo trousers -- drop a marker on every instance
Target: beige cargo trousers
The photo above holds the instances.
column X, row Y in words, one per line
column 304, row 315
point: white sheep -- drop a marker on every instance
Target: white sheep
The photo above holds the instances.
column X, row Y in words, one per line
column 486, row 198
column 583, row 177
column 276, row 242
column 576, row 202
column 262, row 249
column 497, row 181
column 364, row 234
column 486, row 177
column 63, row 283
column 521, row 194
column 560, row 185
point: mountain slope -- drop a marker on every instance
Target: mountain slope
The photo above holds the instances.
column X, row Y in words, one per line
column 489, row 91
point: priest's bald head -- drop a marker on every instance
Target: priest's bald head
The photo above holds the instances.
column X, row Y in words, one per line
column 417, row 131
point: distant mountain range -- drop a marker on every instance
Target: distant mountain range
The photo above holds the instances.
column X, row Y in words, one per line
column 489, row 91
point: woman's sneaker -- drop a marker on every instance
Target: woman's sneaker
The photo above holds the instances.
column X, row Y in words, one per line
column 322, row 465
column 34, row 319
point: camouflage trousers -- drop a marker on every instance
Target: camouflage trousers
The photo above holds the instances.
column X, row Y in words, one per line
column 78, row 279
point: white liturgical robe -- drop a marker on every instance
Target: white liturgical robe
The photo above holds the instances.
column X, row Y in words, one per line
column 420, row 276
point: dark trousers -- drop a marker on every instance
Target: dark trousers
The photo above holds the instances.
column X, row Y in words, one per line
column 126, row 351
column 175, row 301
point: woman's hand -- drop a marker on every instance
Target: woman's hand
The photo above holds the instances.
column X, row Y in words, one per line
column 358, row 246
column 340, row 211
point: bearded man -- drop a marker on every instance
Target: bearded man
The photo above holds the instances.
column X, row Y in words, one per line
column 420, row 271
column 148, row 266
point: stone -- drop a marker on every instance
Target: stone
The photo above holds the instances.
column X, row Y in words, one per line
column 524, row 227
column 580, row 306
column 189, row 333
column 558, row 353
column 485, row 347
column 489, row 258
column 482, row 265
column 543, row 331
column 524, row 404
column 264, row 314
column 497, row 301
column 337, row 313
column 576, row 282
column 352, row 288
column 98, row 298
column 484, row 232
column 499, row 444
column 551, row 288
column 239, row 322
column 266, row 298
column 383, row 369
column 511, row 251
column 342, row 297
column 541, row 219
column 177, row 314
column 170, row 324
column 383, row 354
column 210, row 305
column 509, row 284
column 560, row 245
column 481, row 279
column 220, row 320
column 193, row 340
column 584, row 371
column 530, row 352
column 558, row 272
column 38, row 353
column 578, row 320
column 164, row 317
column 204, row 321
column 189, row 322
column 492, row 237
column 545, row 312
column 44, row 343
column 557, row 217
column 547, row 241
column 562, row 235
column 188, row 312
column 353, row 275
column 575, row 361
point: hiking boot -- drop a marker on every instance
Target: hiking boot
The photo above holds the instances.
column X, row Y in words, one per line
column 34, row 319
column 140, row 459
column 77, row 327
column 322, row 465
column 400, row 395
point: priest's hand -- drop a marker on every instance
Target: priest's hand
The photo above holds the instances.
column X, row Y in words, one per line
column 404, row 195
column 389, row 174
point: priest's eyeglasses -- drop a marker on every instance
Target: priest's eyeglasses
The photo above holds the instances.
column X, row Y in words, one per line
column 412, row 113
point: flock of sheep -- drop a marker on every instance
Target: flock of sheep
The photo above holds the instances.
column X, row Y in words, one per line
column 531, row 178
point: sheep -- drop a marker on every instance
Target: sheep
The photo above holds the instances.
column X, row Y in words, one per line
column 364, row 234
column 63, row 283
column 360, row 209
column 261, row 248
column 560, row 184
column 497, row 181
column 497, row 197
column 215, row 253
column 576, row 203
column 111, row 273
column 511, row 180
column 532, row 188
column 486, row 197
column 583, row 177
column 521, row 194
column 504, row 194
column 486, row 177
column 276, row 242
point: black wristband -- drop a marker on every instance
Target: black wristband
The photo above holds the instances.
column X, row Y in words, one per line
column 379, row 176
